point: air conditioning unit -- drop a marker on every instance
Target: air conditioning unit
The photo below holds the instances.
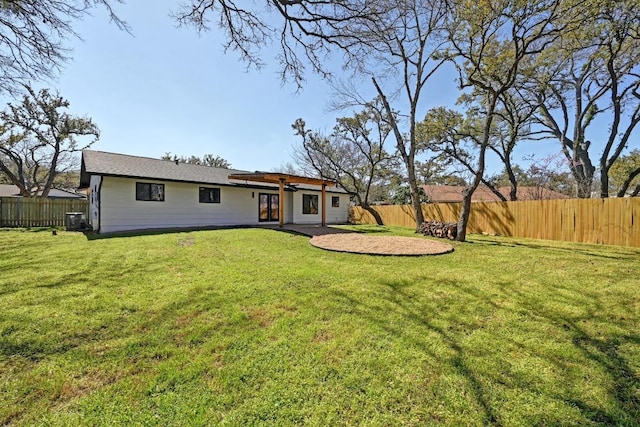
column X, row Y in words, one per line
column 75, row 221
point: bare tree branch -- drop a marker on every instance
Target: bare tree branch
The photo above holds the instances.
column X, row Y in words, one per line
column 33, row 35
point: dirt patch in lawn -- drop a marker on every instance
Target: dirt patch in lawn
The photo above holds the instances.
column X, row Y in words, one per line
column 380, row 245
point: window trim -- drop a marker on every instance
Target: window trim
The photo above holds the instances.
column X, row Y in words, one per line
column 306, row 206
column 209, row 192
column 140, row 193
column 335, row 201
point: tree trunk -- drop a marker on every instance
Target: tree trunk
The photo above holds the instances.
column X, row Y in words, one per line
column 494, row 190
column 407, row 156
column 415, row 195
column 24, row 191
column 584, row 186
column 627, row 183
column 464, row 215
column 604, row 181
column 374, row 213
column 582, row 170
column 468, row 193
column 52, row 171
column 513, row 192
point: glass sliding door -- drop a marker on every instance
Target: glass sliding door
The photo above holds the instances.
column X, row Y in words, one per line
column 275, row 207
column 268, row 207
column 263, row 207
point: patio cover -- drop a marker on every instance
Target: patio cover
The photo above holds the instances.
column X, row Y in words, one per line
column 286, row 179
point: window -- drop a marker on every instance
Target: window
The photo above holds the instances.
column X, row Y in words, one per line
column 209, row 195
column 149, row 192
column 335, row 201
column 310, row 204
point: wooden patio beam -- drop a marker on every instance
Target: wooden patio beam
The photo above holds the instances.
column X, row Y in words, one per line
column 272, row 177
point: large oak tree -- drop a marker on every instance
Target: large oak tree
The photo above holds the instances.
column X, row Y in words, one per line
column 589, row 82
column 392, row 43
column 490, row 42
column 40, row 140
column 400, row 45
column 353, row 154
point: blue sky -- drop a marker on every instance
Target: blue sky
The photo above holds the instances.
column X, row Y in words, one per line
column 167, row 89
column 170, row 89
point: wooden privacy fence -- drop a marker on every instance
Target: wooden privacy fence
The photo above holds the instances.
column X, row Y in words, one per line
column 35, row 212
column 614, row 221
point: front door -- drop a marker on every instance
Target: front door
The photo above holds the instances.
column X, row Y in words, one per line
column 268, row 207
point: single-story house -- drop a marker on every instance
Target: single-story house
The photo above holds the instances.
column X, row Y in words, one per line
column 10, row 190
column 454, row 193
column 133, row 193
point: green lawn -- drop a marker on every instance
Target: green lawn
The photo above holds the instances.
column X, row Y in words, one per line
column 256, row 327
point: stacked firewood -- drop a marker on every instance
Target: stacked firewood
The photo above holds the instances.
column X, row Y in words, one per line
column 448, row 230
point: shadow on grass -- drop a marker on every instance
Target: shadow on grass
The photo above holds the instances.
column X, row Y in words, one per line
column 368, row 229
column 407, row 316
column 92, row 235
column 602, row 349
column 605, row 352
column 36, row 350
column 422, row 316
column 608, row 252
column 414, row 316
column 30, row 229
column 294, row 229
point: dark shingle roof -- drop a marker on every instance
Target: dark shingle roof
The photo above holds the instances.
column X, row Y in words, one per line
column 112, row 164
column 10, row 190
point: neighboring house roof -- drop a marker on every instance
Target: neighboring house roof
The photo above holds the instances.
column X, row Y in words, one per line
column 122, row 165
column 453, row 193
column 10, row 190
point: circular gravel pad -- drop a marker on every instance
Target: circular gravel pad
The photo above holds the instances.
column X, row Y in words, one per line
column 380, row 245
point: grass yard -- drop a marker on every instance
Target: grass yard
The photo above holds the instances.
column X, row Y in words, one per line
column 256, row 327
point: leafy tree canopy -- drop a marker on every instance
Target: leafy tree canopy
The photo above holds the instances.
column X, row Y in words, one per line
column 624, row 175
column 353, row 154
column 39, row 140
column 206, row 160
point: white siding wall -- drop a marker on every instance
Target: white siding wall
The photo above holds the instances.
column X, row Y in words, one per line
column 339, row 215
column 288, row 207
column 334, row 215
column 120, row 211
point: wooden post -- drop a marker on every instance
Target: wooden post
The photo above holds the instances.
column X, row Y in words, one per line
column 281, row 202
column 324, row 204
